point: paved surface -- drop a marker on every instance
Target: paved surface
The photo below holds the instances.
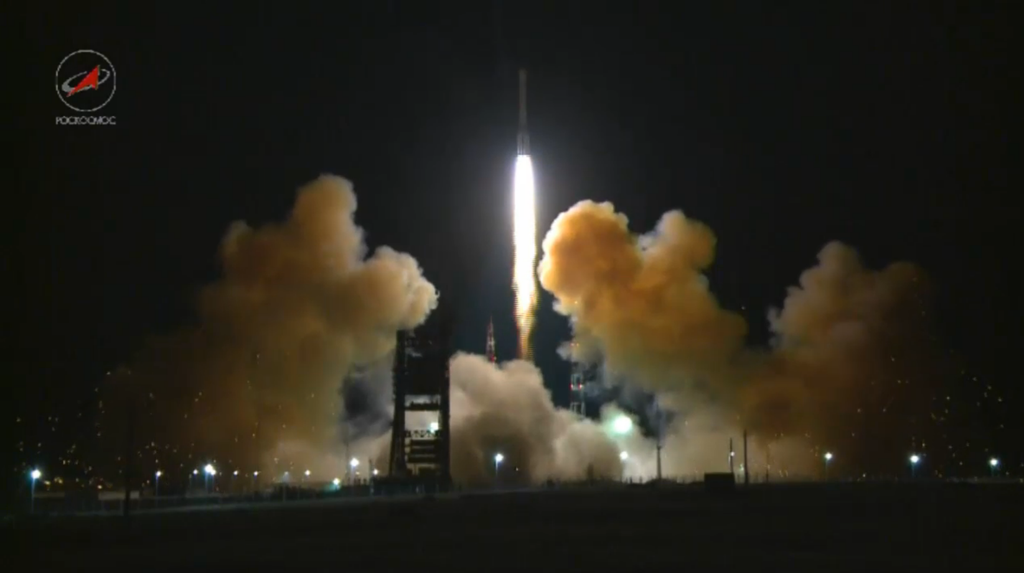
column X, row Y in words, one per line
column 780, row 528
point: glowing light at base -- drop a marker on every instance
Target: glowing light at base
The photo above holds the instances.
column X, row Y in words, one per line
column 524, row 278
column 622, row 425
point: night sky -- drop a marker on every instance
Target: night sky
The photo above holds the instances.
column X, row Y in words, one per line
column 781, row 128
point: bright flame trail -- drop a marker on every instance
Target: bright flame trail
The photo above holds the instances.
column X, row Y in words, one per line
column 524, row 278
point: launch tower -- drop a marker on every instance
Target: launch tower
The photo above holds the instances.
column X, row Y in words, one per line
column 582, row 374
column 420, row 452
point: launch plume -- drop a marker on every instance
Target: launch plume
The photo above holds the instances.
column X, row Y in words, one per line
column 643, row 301
column 299, row 305
column 507, row 409
column 851, row 365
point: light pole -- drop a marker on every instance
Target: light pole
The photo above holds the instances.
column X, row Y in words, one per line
column 913, row 464
column 828, row 458
column 156, row 493
column 623, row 456
column 498, row 458
column 255, row 481
column 992, row 465
column 190, row 477
column 36, row 474
column 352, row 465
column 210, row 472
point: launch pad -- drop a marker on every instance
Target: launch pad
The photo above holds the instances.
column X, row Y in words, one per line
column 420, row 433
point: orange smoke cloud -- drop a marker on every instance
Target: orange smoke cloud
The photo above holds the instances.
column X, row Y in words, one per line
column 853, row 363
column 298, row 305
column 851, row 366
column 643, row 300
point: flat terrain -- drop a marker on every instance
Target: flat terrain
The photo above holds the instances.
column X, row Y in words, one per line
column 830, row 528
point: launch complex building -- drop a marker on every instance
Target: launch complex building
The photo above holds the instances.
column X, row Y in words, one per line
column 420, row 457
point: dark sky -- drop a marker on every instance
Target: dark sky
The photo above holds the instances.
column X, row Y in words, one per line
column 782, row 127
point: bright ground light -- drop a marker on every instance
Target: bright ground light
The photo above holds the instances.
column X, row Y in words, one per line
column 622, row 425
column 524, row 280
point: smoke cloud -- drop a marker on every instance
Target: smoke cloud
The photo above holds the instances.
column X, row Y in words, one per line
column 298, row 306
column 851, row 366
column 494, row 409
column 290, row 360
column 368, row 401
column 640, row 302
column 507, row 409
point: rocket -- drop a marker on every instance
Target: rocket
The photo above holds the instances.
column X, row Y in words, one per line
column 490, row 343
column 523, row 138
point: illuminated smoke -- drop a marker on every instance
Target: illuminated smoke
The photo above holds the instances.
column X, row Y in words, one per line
column 299, row 305
column 851, row 367
column 524, row 280
column 853, row 364
column 640, row 302
column 506, row 409
column 257, row 381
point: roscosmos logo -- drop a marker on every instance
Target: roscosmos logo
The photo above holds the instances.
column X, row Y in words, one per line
column 86, row 82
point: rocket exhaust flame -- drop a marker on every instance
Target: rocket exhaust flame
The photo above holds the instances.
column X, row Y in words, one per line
column 524, row 279
column 524, row 264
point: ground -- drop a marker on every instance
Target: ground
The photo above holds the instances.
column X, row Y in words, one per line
column 940, row 527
